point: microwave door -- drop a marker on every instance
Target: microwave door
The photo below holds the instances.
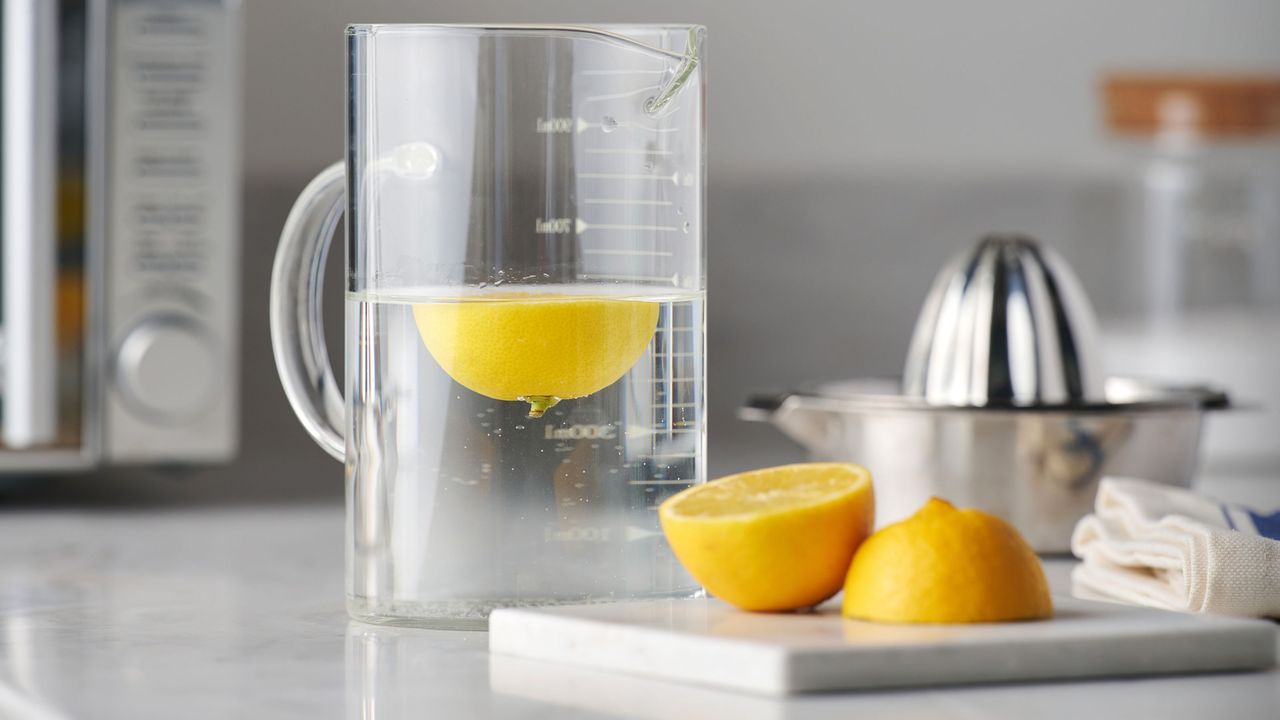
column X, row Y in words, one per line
column 29, row 258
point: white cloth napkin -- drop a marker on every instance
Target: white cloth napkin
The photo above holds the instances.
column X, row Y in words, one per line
column 1152, row 544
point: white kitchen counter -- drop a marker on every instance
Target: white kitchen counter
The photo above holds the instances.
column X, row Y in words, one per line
column 236, row 612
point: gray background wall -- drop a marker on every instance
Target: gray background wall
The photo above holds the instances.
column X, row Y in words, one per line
column 852, row 146
column 807, row 86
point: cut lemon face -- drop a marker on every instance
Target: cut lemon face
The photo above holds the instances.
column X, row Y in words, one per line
column 774, row 539
column 536, row 348
column 947, row 565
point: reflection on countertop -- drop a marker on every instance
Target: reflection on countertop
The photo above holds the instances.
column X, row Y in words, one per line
column 190, row 613
column 236, row 611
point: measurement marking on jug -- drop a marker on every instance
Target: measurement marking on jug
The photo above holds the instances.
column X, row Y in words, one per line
column 552, row 226
column 637, row 533
column 619, row 96
column 673, row 177
column 583, row 226
column 576, row 534
column 625, row 201
column 553, row 126
column 627, row 151
column 621, row 72
column 647, row 253
column 582, row 432
column 608, row 276
column 583, row 126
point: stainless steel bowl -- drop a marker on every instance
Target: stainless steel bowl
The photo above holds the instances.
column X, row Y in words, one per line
column 1002, row 406
column 1036, row 467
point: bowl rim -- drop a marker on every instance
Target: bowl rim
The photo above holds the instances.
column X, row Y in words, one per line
column 1123, row 395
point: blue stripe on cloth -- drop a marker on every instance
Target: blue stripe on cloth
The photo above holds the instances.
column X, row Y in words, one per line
column 1268, row 526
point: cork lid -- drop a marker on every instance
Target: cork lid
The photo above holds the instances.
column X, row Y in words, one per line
column 1216, row 105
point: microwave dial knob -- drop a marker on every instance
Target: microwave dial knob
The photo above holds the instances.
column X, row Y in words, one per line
column 165, row 368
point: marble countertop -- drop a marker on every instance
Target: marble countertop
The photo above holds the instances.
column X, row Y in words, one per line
column 237, row 612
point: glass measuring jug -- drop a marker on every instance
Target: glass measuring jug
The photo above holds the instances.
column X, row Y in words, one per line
column 524, row 375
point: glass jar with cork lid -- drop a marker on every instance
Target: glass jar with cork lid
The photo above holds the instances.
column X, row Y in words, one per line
column 1202, row 236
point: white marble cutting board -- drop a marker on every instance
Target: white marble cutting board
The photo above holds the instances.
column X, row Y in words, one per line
column 709, row 643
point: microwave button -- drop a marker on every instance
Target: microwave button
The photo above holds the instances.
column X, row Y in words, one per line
column 165, row 368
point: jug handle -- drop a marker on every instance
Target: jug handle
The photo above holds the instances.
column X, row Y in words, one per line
column 297, row 334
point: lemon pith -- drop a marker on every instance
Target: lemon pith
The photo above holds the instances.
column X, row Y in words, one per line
column 773, row 539
column 946, row 565
column 539, row 348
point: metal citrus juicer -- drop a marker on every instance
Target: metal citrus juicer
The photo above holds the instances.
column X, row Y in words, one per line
column 1002, row 404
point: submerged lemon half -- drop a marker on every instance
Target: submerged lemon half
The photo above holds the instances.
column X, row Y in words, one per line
column 774, row 539
column 947, row 565
column 536, row 348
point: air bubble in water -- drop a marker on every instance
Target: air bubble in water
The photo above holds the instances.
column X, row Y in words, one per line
column 608, row 124
column 685, row 227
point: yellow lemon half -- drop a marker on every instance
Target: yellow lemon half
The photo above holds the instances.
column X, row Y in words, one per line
column 774, row 539
column 537, row 348
column 944, row 565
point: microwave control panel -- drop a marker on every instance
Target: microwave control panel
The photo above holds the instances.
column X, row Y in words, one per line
column 171, row 266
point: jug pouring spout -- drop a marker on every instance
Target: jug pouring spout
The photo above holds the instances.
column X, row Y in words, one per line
column 681, row 62
column 681, row 73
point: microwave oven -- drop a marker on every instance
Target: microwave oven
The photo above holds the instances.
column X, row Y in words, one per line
column 119, row 227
